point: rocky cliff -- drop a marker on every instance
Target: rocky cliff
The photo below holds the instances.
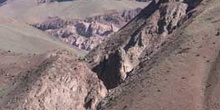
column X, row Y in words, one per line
column 137, row 40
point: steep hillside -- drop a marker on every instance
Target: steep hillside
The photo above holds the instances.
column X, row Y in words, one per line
column 137, row 40
column 182, row 74
column 50, row 81
column 33, row 76
column 165, row 58
column 21, row 38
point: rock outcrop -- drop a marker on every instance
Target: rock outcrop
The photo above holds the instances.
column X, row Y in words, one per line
column 59, row 82
column 88, row 33
column 137, row 40
column 184, row 69
column 113, row 68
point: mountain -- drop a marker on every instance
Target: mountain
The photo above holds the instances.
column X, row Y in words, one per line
column 83, row 24
column 37, row 69
column 137, row 40
column 164, row 56
column 179, row 73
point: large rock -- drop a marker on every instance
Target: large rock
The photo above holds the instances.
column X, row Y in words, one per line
column 171, row 13
column 60, row 82
column 113, row 69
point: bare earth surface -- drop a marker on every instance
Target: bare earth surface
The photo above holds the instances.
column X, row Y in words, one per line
column 155, row 62
column 185, row 75
column 21, row 38
column 11, row 66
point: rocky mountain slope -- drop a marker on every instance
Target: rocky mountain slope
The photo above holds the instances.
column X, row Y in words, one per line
column 179, row 74
column 35, row 74
column 55, row 80
column 165, row 58
column 136, row 41
column 33, row 71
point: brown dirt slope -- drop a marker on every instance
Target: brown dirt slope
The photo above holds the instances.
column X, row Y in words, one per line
column 182, row 75
column 21, row 38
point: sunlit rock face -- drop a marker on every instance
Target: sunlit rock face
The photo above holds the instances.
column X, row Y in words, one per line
column 87, row 33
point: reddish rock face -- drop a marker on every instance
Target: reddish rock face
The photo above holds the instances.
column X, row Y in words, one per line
column 88, row 33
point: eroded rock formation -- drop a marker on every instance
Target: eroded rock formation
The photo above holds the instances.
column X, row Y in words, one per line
column 137, row 40
column 60, row 82
column 88, row 33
